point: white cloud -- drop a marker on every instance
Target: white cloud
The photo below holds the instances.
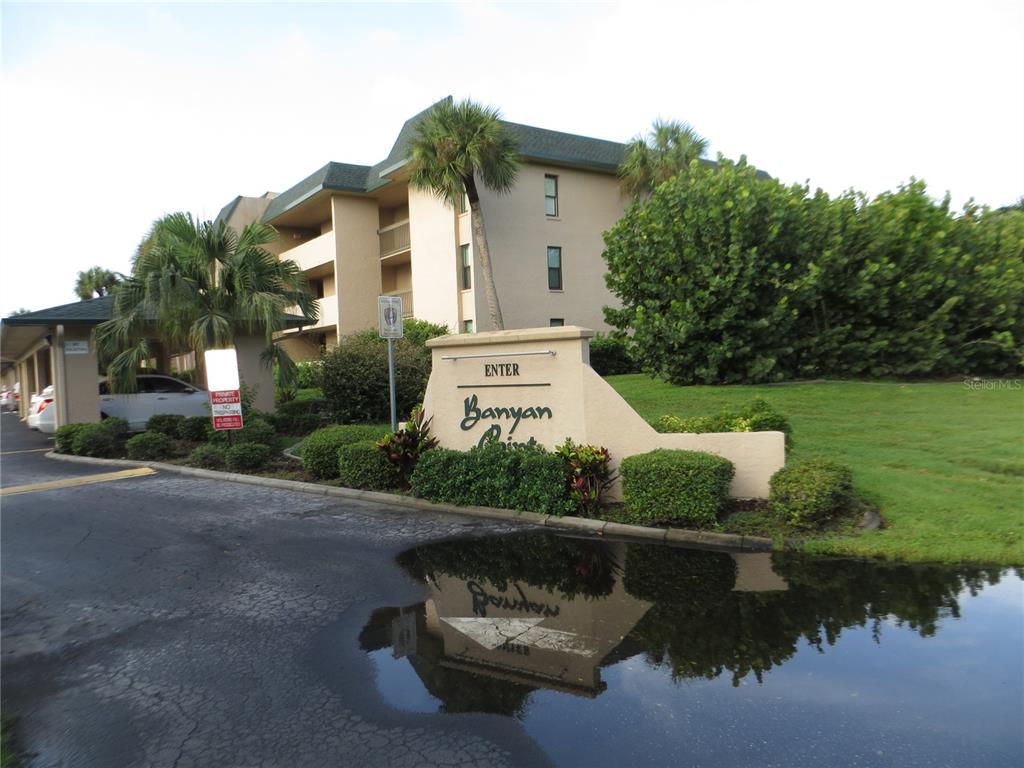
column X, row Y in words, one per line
column 110, row 121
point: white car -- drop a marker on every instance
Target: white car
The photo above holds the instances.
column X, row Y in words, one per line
column 157, row 394
column 8, row 400
column 42, row 412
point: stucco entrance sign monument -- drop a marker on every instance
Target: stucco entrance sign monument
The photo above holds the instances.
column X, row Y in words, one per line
column 536, row 386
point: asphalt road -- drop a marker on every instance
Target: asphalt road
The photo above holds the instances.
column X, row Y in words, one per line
column 171, row 621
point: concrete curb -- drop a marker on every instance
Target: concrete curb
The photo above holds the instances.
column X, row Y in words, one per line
column 705, row 539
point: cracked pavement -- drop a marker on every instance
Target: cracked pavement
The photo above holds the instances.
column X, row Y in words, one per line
column 173, row 621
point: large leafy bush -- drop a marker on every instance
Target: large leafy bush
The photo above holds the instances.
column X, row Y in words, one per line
column 149, row 446
column 354, row 378
column 725, row 276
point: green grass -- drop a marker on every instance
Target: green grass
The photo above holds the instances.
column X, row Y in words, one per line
column 944, row 463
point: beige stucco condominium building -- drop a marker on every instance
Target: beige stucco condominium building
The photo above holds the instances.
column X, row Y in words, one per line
column 360, row 231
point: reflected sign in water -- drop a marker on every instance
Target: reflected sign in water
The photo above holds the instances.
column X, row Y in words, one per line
column 616, row 653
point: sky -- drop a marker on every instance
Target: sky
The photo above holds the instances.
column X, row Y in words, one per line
column 112, row 115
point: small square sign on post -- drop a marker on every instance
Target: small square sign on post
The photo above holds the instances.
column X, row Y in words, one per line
column 225, row 390
column 390, row 316
column 389, row 311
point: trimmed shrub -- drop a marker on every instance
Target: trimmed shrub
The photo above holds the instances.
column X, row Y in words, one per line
column 247, row 456
column 169, row 424
column 116, row 426
column 300, row 417
column 756, row 416
column 811, row 492
column 524, row 478
column 686, row 487
column 365, row 465
column 355, row 375
column 320, row 449
column 255, row 430
column 610, row 356
column 149, row 446
column 207, row 456
column 64, row 437
column 96, row 440
column 195, row 429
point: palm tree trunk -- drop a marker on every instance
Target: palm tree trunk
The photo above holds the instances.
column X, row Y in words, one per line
column 476, row 218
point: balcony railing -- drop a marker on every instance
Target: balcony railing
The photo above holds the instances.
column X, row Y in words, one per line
column 394, row 239
column 406, row 301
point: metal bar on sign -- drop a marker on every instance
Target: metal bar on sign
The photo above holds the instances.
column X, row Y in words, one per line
column 498, row 354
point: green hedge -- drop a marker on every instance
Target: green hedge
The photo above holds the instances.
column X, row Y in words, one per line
column 685, row 487
column 169, row 424
column 365, row 465
column 528, row 479
column 811, row 492
column 97, row 440
column 195, row 428
column 208, row 456
column 610, row 356
column 757, row 416
column 64, row 437
column 247, row 456
column 300, row 417
column 320, row 449
column 149, row 446
column 255, row 429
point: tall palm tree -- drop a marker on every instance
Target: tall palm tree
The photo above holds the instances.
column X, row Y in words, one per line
column 665, row 151
column 199, row 283
column 96, row 281
column 455, row 144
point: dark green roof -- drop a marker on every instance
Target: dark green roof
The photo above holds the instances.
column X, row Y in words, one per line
column 89, row 312
column 227, row 210
column 534, row 144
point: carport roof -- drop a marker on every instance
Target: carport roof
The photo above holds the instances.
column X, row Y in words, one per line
column 89, row 312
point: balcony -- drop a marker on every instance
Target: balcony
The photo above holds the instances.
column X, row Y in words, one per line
column 313, row 253
column 394, row 239
column 328, row 306
column 406, row 297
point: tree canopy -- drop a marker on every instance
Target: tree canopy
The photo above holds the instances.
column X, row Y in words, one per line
column 195, row 285
column 454, row 144
column 667, row 149
column 95, row 282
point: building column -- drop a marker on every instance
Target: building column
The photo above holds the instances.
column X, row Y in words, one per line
column 79, row 378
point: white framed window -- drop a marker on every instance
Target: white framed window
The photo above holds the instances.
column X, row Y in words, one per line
column 466, row 267
column 554, row 268
column 550, row 195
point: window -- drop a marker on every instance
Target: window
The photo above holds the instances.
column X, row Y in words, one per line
column 467, row 267
column 467, row 326
column 551, row 195
column 554, row 268
column 464, row 203
column 557, row 322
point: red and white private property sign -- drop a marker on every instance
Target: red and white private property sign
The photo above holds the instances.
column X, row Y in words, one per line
column 226, row 407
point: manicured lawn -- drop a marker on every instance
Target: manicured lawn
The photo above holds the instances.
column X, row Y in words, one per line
column 942, row 461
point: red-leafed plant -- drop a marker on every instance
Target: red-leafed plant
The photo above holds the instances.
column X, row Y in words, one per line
column 588, row 474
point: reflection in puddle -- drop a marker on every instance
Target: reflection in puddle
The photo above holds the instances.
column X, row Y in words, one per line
column 588, row 632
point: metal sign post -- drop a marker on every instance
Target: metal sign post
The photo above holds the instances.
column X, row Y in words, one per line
column 389, row 311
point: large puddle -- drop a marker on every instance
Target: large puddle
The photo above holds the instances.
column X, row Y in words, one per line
column 631, row 654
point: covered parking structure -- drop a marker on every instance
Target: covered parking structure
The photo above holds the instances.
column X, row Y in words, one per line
column 55, row 346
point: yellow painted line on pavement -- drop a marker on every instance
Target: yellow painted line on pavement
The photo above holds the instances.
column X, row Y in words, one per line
column 71, row 482
column 27, row 450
